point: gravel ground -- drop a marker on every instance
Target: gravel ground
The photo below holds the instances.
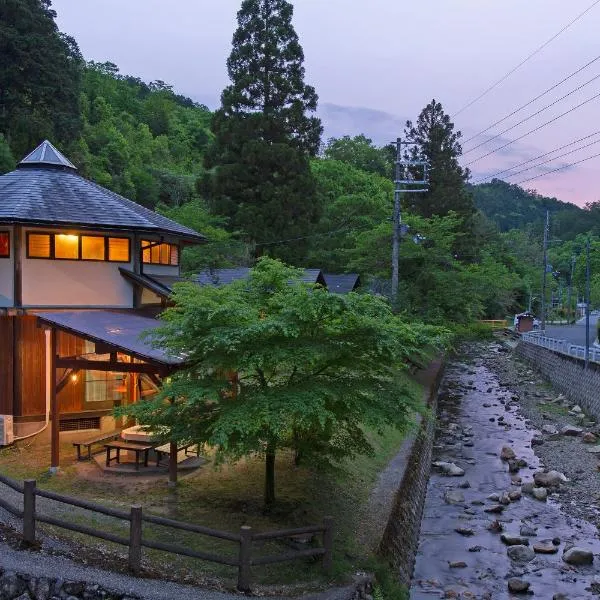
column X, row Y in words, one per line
column 541, row 405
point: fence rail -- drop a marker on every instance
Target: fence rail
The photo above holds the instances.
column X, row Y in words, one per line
column 561, row 346
column 495, row 323
column 135, row 541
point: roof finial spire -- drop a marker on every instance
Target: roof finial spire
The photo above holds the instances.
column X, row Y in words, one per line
column 47, row 155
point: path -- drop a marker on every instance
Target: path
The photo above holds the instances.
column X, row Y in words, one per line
column 477, row 417
column 575, row 334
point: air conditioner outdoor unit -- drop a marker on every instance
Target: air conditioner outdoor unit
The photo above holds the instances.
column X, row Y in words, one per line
column 7, row 435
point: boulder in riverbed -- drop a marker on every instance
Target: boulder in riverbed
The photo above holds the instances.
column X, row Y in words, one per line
column 514, row 540
column 545, row 547
column 571, row 430
column 448, row 468
column 507, row 453
column 578, row 556
column 589, row 438
column 549, row 479
column 517, row 586
column 520, row 554
column 540, row 493
column 454, row 497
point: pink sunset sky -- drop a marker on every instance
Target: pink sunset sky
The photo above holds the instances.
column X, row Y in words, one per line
column 377, row 63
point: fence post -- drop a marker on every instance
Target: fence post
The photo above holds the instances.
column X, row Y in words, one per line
column 244, row 559
column 135, row 539
column 29, row 511
column 328, row 543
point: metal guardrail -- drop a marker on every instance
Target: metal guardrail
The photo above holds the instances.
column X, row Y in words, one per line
column 562, row 346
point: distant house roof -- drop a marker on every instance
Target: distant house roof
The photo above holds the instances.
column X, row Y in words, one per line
column 123, row 330
column 45, row 189
column 342, row 284
column 163, row 284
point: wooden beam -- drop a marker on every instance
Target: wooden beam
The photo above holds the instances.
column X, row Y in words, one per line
column 54, row 408
column 103, row 365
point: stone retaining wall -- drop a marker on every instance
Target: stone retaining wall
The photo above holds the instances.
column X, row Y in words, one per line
column 401, row 536
column 14, row 586
column 567, row 374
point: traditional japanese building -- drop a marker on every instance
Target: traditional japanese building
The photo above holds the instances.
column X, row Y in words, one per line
column 76, row 262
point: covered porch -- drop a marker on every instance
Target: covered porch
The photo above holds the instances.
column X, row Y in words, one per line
column 101, row 359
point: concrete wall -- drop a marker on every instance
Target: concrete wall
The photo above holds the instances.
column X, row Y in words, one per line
column 567, row 375
column 7, row 274
column 400, row 540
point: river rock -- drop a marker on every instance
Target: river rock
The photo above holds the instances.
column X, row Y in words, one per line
column 560, row 597
column 540, row 493
column 571, row 430
column 494, row 497
column 454, row 497
column 528, row 530
column 514, row 495
column 589, row 438
column 520, row 554
column 513, row 466
column 517, row 586
column 449, row 469
column 466, row 531
column 507, row 453
column 457, row 564
column 537, row 440
column 495, row 509
column 514, row 540
column 495, row 527
column 545, row 547
column 578, row 556
column 549, row 429
column 577, row 409
column 10, row 585
column 549, row 479
column 527, row 487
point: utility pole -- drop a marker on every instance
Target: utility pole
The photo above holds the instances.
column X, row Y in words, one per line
column 403, row 176
column 587, row 302
column 546, row 229
column 570, row 288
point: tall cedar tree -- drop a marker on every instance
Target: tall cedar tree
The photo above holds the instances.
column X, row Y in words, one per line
column 40, row 73
column 437, row 142
column 265, row 134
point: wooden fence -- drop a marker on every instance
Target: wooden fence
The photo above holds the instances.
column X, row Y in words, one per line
column 135, row 542
column 495, row 323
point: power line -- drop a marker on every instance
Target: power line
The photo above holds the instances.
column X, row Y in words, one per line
column 535, row 129
column 559, row 169
column 514, row 112
column 507, row 75
column 535, row 114
column 482, row 179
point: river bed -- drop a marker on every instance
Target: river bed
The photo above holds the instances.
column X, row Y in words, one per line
column 477, row 416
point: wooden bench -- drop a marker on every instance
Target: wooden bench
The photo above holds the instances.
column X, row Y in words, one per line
column 128, row 447
column 165, row 450
column 99, row 439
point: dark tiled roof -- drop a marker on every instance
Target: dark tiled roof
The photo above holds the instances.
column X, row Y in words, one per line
column 47, row 154
column 342, row 284
column 148, row 282
column 51, row 194
column 120, row 329
column 219, row 277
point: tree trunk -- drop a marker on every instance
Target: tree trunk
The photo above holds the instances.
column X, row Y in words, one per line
column 270, row 474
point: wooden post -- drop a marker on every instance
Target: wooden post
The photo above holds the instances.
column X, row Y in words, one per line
column 135, row 539
column 328, row 544
column 172, row 464
column 243, row 584
column 55, row 435
column 29, row 511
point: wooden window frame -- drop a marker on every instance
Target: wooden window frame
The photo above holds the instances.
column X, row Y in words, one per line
column 7, row 233
column 158, row 244
column 79, row 258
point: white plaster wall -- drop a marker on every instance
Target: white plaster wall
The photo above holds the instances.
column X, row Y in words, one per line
column 7, row 273
column 48, row 283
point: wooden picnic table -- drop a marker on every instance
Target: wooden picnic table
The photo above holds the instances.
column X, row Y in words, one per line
column 139, row 449
column 89, row 442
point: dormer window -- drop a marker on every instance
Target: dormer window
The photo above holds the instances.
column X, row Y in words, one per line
column 160, row 253
column 4, row 244
column 68, row 246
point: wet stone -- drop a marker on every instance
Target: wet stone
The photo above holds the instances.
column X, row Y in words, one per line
column 589, row 438
column 540, row 493
column 520, row 554
column 518, row 586
column 571, row 430
column 495, row 509
column 454, row 497
column 457, row 564
column 578, row 556
column 514, row 540
column 466, row 531
column 514, row 495
column 549, row 479
column 545, row 547
column 528, row 531
column 448, row 468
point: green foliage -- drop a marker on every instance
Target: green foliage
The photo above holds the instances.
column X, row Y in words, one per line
column 222, row 248
column 40, row 71
column 7, row 161
column 437, row 142
column 312, row 369
column 471, row 331
column 360, row 152
column 264, row 135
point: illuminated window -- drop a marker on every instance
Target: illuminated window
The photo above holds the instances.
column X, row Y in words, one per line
column 38, row 245
column 66, row 246
column 4, row 244
column 118, row 250
column 160, row 254
column 93, row 248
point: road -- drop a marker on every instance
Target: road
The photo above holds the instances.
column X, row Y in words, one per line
column 575, row 334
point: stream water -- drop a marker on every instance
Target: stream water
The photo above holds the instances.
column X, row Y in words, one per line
column 476, row 418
